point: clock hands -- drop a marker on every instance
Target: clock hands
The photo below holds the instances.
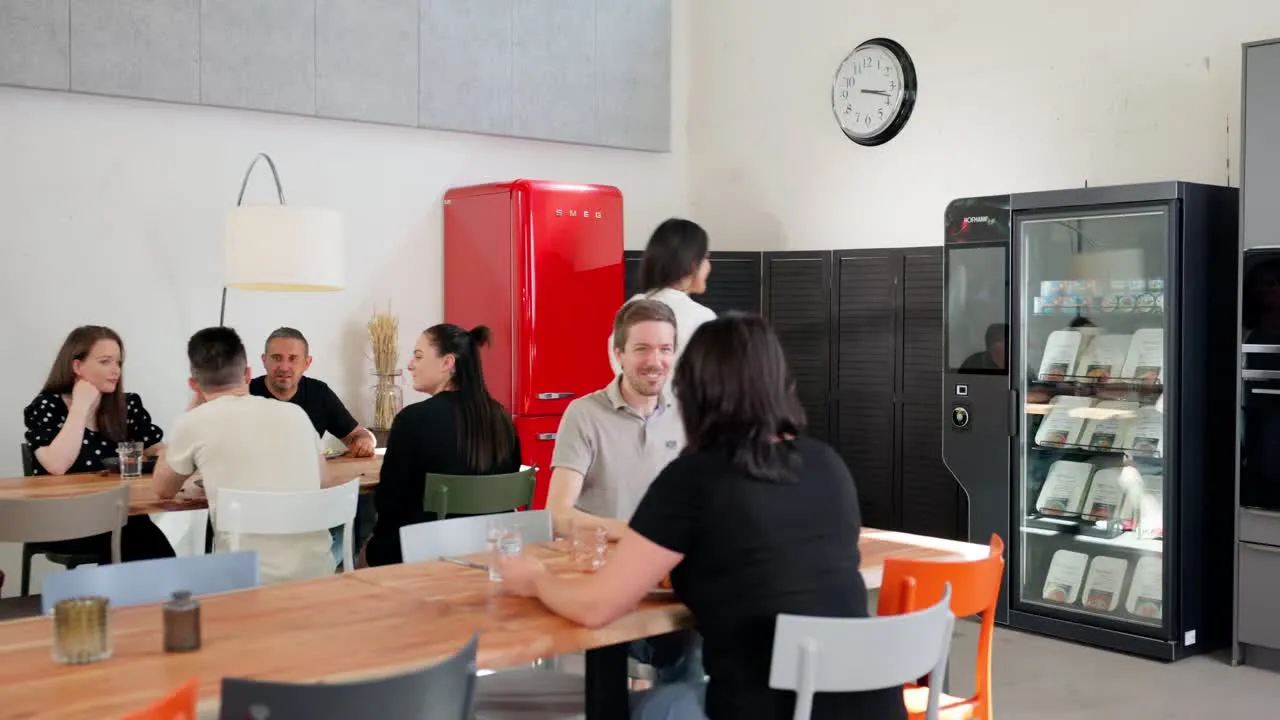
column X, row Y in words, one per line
column 885, row 93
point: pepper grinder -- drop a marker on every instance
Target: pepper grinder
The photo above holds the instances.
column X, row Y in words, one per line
column 181, row 623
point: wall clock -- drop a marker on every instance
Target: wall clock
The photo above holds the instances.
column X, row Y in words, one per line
column 874, row 91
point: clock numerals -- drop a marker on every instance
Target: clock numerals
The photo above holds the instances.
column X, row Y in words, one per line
column 866, row 61
column 893, row 85
column 844, row 94
column 880, row 112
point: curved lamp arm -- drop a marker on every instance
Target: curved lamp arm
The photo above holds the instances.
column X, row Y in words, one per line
column 244, row 184
column 274, row 175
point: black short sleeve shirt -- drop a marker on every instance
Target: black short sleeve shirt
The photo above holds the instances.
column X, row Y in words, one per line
column 320, row 402
column 753, row 549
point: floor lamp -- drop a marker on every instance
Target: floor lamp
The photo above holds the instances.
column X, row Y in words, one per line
column 281, row 248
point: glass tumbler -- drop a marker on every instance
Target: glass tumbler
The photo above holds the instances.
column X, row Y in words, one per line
column 504, row 541
column 590, row 543
column 81, row 631
column 130, row 459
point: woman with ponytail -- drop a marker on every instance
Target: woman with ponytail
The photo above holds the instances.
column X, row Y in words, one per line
column 459, row 430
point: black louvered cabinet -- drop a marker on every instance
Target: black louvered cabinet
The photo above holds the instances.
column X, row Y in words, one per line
column 862, row 330
column 863, row 334
column 734, row 284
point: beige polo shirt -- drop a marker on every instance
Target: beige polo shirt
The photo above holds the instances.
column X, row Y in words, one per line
column 617, row 451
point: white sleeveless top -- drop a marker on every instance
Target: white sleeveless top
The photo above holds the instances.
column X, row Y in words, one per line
column 689, row 315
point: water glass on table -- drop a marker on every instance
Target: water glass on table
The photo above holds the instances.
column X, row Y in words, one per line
column 504, row 541
column 130, row 459
column 590, row 543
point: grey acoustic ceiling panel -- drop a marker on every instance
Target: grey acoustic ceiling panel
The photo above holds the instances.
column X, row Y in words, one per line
column 466, row 66
column 367, row 60
column 633, row 73
column 554, row 93
column 595, row 72
column 137, row 48
column 35, row 44
column 258, row 55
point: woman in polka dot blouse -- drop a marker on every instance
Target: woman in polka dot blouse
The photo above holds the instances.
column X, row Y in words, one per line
column 77, row 420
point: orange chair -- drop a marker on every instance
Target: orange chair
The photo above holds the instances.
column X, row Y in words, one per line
column 975, row 588
column 180, row 705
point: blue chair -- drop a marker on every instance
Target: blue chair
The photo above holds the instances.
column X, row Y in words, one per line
column 150, row 581
column 445, row 691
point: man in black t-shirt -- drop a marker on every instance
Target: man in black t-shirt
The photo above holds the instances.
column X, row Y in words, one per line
column 286, row 357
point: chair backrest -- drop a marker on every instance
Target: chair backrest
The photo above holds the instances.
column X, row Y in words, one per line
column 816, row 654
column 178, row 705
column 478, row 494
column 149, row 581
column 66, row 518
column 255, row 512
column 974, row 587
column 445, row 691
column 467, row 536
column 28, row 459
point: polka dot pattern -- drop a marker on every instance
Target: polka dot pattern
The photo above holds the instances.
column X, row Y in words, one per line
column 46, row 415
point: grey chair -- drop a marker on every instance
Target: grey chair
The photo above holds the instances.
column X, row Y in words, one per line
column 817, row 655
column 150, row 581
column 433, row 540
column 445, row 691
column 42, row 520
column 30, row 550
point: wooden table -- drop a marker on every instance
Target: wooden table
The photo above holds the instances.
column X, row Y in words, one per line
column 368, row 623
column 142, row 494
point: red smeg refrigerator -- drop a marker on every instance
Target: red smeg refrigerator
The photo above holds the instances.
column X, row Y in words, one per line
column 540, row 263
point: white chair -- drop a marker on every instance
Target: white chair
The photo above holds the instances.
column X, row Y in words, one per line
column 522, row 693
column 255, row 512
column 149, row 581
column 433, row 540
column 813, row 654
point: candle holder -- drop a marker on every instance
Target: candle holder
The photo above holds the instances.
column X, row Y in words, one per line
column 81, row 631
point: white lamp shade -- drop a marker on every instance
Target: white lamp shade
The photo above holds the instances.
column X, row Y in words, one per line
column 283, row 248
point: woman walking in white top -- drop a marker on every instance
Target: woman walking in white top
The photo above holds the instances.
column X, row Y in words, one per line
column 676, row 264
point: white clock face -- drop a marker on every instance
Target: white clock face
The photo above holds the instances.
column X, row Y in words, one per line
column 868, row 91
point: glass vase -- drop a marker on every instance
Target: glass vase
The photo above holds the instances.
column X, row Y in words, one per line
column 388, row 399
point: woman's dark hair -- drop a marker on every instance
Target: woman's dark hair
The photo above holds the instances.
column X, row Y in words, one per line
column 736, row 394
column 486, row 434
column 675, row 250
column 62, row 378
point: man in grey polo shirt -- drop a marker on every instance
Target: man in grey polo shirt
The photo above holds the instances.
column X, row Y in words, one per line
column 613, row 443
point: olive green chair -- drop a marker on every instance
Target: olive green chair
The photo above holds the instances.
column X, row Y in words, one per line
column 478, row 494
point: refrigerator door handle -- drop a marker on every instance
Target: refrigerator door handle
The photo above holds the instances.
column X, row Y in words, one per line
column 1264, row 391
column 1253, row 348
column 546, row 436
column 1011, row 429
column 554, row 395
column 1260, row 374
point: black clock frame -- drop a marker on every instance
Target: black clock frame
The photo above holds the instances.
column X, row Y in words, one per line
column 909, row 87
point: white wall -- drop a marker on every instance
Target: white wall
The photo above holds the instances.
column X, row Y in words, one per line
column 1014, row 96
column 111, row 212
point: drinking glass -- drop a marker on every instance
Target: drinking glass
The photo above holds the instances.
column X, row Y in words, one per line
column 130, row 459
column 590, row 543
column 504, row 541
column 81, row 632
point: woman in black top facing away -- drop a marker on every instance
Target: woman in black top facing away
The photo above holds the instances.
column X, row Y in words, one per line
column 77, row 420
column 459, row 430
column 752, row 520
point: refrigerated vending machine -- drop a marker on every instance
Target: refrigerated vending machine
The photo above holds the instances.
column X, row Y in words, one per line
column 1119, row 419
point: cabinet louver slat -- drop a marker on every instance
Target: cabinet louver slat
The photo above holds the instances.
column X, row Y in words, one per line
column 798, row 306
column 865, row 354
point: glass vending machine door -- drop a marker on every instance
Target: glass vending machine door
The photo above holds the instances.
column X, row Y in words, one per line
column 1092, row 449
